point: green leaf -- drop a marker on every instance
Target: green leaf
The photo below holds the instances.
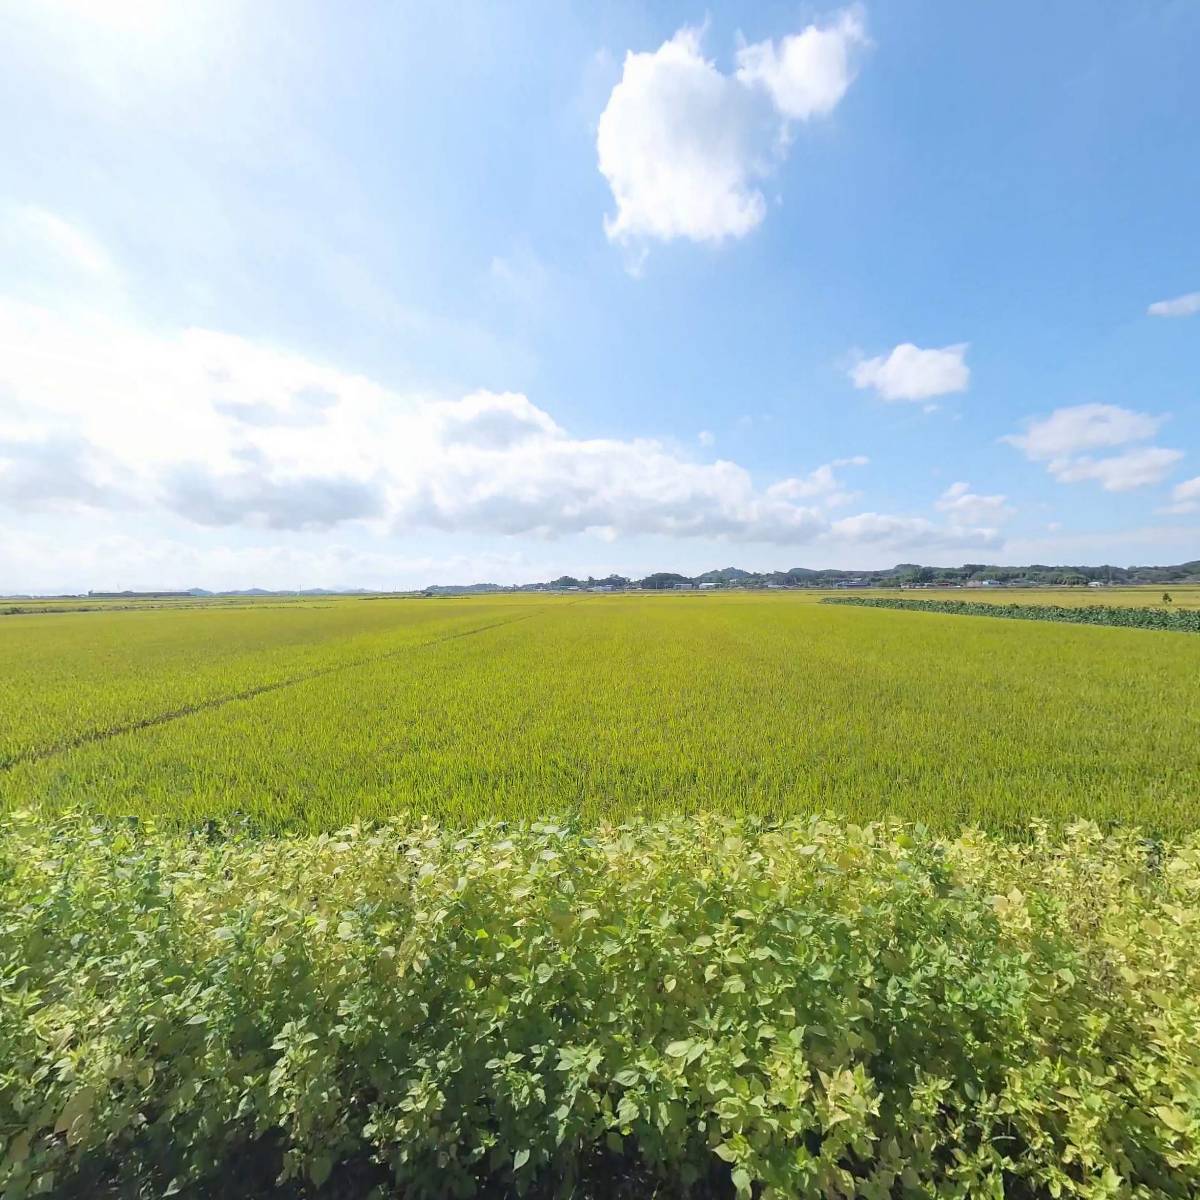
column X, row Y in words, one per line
column 1172, row 1118
column 520, row 1159
column 320, row 1169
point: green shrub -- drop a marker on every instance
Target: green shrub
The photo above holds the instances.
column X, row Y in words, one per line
column 1178, row 620
column 698, row 1007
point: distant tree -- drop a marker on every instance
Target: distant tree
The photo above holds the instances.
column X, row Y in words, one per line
column 662, row 579
column 1166, row 597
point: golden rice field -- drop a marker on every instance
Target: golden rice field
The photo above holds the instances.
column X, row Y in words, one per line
column 309, row 715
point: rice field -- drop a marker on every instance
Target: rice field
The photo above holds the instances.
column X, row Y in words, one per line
column 307, row 716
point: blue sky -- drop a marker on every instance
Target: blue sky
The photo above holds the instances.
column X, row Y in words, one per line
column 297, row 296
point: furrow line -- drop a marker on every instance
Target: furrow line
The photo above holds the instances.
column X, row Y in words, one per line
column 262, row 689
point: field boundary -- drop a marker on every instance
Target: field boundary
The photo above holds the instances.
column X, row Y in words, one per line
column 188, row 710
column 1172, row 620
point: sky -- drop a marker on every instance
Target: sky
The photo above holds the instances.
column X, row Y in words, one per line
column 302, row 295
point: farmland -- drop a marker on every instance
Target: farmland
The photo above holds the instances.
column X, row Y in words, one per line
column 729, row 894
column 309, row 716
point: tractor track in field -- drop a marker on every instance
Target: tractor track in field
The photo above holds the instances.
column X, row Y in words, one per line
column 41, row 754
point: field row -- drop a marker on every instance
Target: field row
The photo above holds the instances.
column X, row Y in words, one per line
column 72, row 677
column 1172, row 620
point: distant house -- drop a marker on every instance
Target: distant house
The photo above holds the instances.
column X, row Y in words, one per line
column 684, row 587
column 982, row 583
column 707, row 585
column 1097, row 583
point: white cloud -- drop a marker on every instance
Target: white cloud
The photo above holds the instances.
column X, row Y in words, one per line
column 1119, row 472
column 705, row 437
column 806, row 73
column 820, row 485
column 967, row 508
column 27, row 226
column 1181, row 306
column 683, row 145
column 884, row 531
column 212, row 430
column 910, row 373
column 1185, row 497
column 1060, row 439
column 1082, row 427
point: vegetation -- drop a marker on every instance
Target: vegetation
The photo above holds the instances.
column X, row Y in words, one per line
column 1036, row 575
column 1174, row 619
column 697, row 1007
column 608, row 707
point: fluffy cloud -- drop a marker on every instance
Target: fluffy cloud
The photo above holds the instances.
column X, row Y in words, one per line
column 1061, row 439
column 910, row 373
column 820, row 485
column 967, row 508
column 217, row 431
column 806, row 74
column 680, row 145
column 683, row 145
column 1181, row 306
column 1083, row 427
column 1185, row 497
column 1119, row 472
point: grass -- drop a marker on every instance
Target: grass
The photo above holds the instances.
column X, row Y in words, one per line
column 606, row 707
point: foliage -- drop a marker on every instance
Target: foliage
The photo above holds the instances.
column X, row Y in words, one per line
column 1177, row 620
column 697, row 1007
column 609, row 707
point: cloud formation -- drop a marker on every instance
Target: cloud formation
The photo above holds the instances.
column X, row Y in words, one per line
column 1181, row 306
column 1185, row 497
column 910, row 373
column 1061, row 439
column 821, row 485
column 1083, row 427
column 219, row 431
column 684, row 146
column 1119, row 472
column 52, row 235
column 806, row 74
column 968, row 508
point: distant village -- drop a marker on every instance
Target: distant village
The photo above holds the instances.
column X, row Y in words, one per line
column 905, row 576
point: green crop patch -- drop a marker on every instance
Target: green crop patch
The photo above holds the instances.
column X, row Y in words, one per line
column 1176, row 620
column 693, row 1007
